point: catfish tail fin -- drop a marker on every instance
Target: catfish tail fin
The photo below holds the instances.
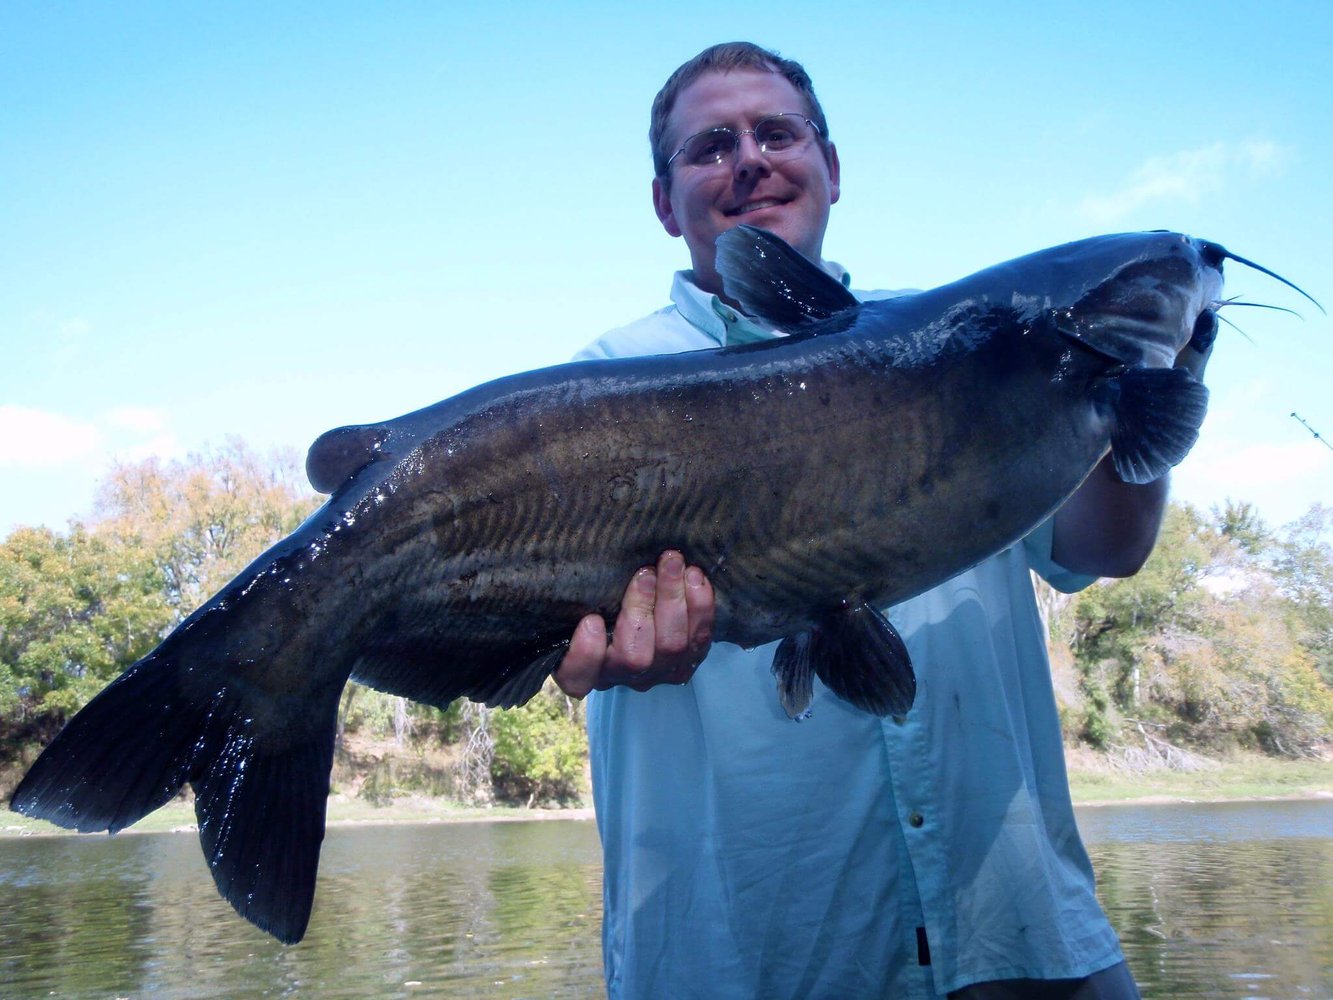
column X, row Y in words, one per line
column 260, row 790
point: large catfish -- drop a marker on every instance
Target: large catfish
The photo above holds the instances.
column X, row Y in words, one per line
column 871, row 454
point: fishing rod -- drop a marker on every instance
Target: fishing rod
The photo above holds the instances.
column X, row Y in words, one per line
column 1317, row 436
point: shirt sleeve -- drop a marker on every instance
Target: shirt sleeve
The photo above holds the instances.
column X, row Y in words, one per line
column 1037, row 545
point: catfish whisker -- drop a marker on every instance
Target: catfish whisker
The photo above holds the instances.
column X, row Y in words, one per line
column 1273, row 274
column 1235, row 327
column 1257, row 305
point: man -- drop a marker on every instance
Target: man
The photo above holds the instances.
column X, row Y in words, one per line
column 846, row 856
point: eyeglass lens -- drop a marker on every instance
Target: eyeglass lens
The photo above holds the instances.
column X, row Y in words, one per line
column 774, row 135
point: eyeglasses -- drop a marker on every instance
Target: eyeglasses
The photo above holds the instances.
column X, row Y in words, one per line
column 775, row 135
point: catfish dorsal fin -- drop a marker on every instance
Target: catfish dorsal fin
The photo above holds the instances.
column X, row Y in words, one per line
column 339, row 454
column 776, row 283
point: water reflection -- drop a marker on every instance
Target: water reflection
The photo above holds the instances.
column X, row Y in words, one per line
column 1220, row 901
column 1229, row 901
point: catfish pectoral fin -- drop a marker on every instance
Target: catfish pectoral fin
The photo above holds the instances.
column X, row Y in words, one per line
column 510, row 688
column 1158, row 413
column 857, row 654
column 795, row 675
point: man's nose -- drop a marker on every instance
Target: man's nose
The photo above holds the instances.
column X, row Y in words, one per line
column 750, row 160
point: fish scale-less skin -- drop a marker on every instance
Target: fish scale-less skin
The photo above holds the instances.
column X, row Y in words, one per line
column 849, row 466
column 772, row 531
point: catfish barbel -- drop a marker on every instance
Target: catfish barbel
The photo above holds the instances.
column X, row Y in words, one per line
column 875, row 452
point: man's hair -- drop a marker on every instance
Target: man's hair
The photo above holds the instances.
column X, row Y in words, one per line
column 726, row 58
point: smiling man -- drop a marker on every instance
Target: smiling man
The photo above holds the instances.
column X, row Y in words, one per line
column 929, row 855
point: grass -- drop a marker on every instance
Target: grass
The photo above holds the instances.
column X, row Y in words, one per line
column 1091, row 779
column 1241, row 777
column 178, row 815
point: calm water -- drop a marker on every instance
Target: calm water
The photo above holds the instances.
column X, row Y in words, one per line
column 1211, row 901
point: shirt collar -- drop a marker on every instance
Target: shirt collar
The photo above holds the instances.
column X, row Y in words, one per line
column 720, row 321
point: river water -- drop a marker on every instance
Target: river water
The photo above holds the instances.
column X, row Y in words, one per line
column 1231, row 900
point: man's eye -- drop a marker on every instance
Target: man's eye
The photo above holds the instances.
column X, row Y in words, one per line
column 709, row 149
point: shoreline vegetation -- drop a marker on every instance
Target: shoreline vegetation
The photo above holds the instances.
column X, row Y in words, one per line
column 1093, row 783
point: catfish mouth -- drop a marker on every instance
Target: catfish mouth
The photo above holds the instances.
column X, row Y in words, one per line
column 1145, row 314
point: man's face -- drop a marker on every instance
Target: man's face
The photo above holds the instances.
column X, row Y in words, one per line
column 789, row 196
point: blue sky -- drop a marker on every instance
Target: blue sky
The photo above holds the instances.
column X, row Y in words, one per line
column 266, row 220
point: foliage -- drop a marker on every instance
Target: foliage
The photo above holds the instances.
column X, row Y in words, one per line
column 1217, row 642
column 207, row 517
column 75, row 610
column 1303, row 568
column 539, row 749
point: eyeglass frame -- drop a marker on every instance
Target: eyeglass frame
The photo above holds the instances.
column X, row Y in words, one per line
column 819, row 134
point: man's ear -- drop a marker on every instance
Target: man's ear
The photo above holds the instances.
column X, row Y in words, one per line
column 834, row 173
column 662, row 206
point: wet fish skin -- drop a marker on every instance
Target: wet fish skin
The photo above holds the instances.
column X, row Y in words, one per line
column 874, row 453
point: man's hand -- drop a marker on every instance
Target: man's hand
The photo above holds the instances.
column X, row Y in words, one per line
column 661, row 635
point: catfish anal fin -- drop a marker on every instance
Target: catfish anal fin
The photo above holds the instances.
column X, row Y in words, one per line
column 1158, row 413
column 857, row 654
column 775, row 282
column 418, row 678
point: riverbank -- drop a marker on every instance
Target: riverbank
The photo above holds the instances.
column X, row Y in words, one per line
column 1093, row 782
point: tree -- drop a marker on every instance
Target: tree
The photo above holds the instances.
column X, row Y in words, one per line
column 75, row 610
column 78, row 608
column 207, row 517
column 1216, row 641
column 1303, row 568
column 539, row 749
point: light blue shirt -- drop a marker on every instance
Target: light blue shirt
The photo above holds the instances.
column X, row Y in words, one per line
column 845, row 856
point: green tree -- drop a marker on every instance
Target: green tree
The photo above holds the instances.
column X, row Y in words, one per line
column 75, row 610
column 539, row 749
column 1215, row 641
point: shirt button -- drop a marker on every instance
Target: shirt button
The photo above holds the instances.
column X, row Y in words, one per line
column 900, row 720
column 915, row 818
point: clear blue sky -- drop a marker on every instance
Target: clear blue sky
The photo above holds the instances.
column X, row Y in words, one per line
column 266, row 220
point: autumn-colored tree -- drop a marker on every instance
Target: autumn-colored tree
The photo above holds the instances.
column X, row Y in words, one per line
column 208, row 516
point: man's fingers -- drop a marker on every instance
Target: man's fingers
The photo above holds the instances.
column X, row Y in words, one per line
column 671, row 614
column 701, row 607
column 581, row 668
column 661, row 633
column 633, row 638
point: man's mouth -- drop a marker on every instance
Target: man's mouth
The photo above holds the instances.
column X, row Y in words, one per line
column 754, row 206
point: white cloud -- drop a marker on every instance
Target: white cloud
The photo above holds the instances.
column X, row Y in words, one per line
column 39, row 438
column 1187, row 176
column 32, row 439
